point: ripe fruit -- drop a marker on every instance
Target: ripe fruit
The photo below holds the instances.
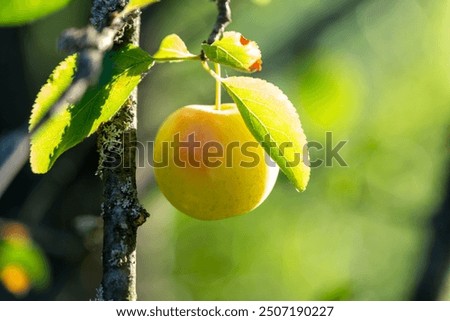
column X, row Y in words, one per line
column 208, row 165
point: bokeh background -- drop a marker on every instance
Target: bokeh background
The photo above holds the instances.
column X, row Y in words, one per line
column 374, row 73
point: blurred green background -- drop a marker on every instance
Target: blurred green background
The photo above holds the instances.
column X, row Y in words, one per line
column 374, row 73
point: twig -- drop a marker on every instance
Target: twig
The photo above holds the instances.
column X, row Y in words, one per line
column 91, row 43
column 12, row 159
column 223, row 20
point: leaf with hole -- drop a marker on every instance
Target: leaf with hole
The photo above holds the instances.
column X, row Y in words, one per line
column 122, row 72
column 274, row 122
column 173, row 49
column 234, row 50
column 18, row 12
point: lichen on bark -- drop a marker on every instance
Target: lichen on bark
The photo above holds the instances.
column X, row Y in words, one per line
column 121, row 211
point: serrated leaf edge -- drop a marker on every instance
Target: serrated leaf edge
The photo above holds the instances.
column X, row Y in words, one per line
column 70, row 106
column 286, row 170
column 47, row 86
column 239, row 66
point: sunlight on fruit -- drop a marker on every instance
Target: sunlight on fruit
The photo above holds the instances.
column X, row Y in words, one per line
column 15, row 280
column 212, row 167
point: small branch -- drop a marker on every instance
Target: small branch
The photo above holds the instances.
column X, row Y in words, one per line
column 223, row 20
column 91, row 43
column 12, row 159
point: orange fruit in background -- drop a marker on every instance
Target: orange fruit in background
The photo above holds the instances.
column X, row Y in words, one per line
column 208, row 164
column 15, row 279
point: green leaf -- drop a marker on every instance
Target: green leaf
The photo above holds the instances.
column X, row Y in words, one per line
column 17, row 12
column 122, row 72
column 56, row 85
column 236, row 51
column 273, row 121
column 173, row 49
column 137, row 4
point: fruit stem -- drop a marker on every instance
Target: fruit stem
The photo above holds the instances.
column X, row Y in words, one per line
column 211, row 72
column 218, row 87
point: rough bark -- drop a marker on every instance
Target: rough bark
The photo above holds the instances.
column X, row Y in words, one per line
column 121, row 211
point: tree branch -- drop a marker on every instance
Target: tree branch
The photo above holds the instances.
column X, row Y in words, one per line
column 223, row 20
column 121, row 211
